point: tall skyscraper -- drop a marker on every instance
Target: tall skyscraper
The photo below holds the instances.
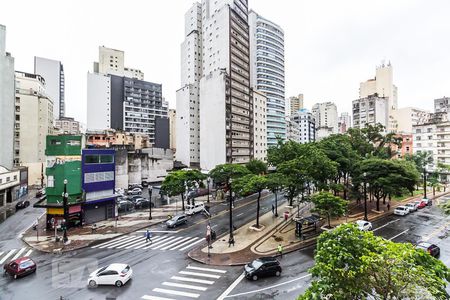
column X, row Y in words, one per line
column 295, row 104
column 306, row 124
column 267, row 71
column 119, row 98
column 326, row 117
column 6, row 103
column 214, row 104
column 53, row 73
column 382, row 85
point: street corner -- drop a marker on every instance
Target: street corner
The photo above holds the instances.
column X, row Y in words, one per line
column 238, row 258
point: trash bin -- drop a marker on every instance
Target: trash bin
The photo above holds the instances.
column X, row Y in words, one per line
column 213, row 235
column 286, row 215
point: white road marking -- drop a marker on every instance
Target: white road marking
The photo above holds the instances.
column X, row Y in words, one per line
column 231, row 287
column 7, row 255
column 188, row 279
column 239, row 214
column 256, row 291
column 395, row 236
column 160, row 231
column 141, row 243
column 214, row 226
column 18, row 253
column 176, row 243
column 199, row 274
column 160, row 242
column 1, row 253
column 182, row 244
column 172, row 292
column 186, row 286
column 29, row 252
column 164, row 237
column 123, row 242
column 388, row 223
column 111, row 241
column 165, row 244
column 148, row 297
column 190, row 245
column 206, row 269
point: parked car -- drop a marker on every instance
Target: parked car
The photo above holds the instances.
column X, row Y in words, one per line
column 119, row 191
column 114, row 274
column 196, row 208
column 135, row 198
column 427, row 201
column 135, row 191
column 125, row 205
column 430, row 248
column 364, row 225
column 411, row 206
column 40, row 193
column 422, row 204
column 143, row 203
column 135, row 186
column 176, row 220
column 22, row 204
column 20, row 267
column 261, row 267
column 401, row 210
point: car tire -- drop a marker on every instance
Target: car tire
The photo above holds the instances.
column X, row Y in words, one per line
column 118, row 283
column 277, row 273
column 92, row 284
column 254, row 277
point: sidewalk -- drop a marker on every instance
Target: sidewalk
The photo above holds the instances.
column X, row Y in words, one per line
column 251, row 244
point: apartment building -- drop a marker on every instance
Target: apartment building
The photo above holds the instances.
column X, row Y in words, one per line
column 370, row 111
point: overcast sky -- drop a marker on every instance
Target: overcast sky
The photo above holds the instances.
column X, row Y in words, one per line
column 331, row 46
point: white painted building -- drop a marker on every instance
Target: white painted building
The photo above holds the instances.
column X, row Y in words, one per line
column 441, row 104
column 173, row 128
column 99, row 100
column 112, row 61
column 370, row 110
column 66, row 125
column 33, row 122
column 267, row 71
column 53, row 73
column 6, row 103
column 383, row 86
column 406, row 117
column 295, row 104
column 293, row 130
column 306, row 126
column 326, row 118
column 260, row 127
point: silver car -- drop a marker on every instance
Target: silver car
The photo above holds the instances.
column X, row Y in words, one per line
column 176, row 220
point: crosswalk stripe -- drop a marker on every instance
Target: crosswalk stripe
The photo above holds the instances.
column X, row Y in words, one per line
column 110, row 241
column 200, row 274
column 115, row 241
column 188, row 279
column 165, row 244
column 1, row 253
column 18, row 253
column 124, row 242
column 206, row 269
column 164, row 237
column 160, row 242
column 28, row 252
column 172, row 292
column 183, row 244
column 186, row 286
column 176, row 243
column 143, row 243
column 7, row 255
column 190, row 245
column 148, row 297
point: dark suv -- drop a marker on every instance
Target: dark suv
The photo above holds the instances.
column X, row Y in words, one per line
column 261, row 267
column 430, row 248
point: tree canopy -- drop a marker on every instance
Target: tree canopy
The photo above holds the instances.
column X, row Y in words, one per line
column 329, row 205
column 257, row 167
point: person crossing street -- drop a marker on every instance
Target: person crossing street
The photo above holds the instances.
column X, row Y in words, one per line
column 148, row 236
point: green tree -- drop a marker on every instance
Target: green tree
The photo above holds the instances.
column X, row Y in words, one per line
column 257, row 167
column 194, row 178
column 433, row 180
column 174, row 185
column 275, row 183
column 352, row 264
column 250, row 184
column 329, row 205
column 282, row 152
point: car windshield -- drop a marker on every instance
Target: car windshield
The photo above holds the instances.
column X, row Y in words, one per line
column 256, row 264
column 127, row 268
column 26, row 264
column 101, row 270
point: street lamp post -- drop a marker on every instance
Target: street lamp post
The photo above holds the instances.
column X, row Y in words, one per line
column 231, row 240
column 424, row 183
column 66, row 212
column 208, row 180
column 150, row 190
column 365, row 198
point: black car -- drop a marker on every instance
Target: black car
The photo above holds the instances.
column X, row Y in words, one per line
column 125, row 205
column 430, row 248
column 143, row 203
column 261, row 267
column 22, row 204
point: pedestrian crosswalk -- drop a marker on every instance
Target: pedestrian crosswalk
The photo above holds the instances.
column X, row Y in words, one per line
column 9, row 255
column 190, row 283
column 161, row 242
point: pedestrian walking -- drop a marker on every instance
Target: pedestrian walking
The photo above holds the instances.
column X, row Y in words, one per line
column 389, row 206
column 280, row 250
column 273, row 209
column 148, row 236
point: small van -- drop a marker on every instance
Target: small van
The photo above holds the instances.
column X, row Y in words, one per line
column 193, row 209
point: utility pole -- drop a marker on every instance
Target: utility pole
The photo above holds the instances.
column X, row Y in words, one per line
column 66, row 211
column 150, row 190
column 424, row 183
column 208, row 180
column 231, row 240
column 365, row 198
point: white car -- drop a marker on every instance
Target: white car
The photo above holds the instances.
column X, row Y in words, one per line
column 411, row 206
column 193, row 209
column 364, row 225
column 401, row 210
column 114, row 274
